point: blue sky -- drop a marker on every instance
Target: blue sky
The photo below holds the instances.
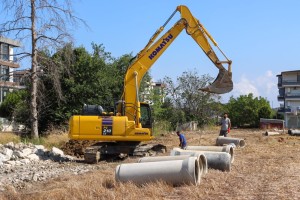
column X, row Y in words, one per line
column 261, row 37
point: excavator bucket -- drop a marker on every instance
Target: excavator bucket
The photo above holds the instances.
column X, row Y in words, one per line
column 222, row 84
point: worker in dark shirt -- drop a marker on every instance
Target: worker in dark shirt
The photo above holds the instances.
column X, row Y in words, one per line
column 182, row 140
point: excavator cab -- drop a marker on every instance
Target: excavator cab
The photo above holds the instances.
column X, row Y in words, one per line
column 146, row 117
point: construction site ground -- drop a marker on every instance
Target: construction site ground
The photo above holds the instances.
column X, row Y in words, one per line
column 268, row 167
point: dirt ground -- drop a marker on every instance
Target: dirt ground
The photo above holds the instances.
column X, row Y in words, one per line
column 268, row 167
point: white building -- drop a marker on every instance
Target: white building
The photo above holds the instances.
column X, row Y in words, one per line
column 8, row 64
column 153, row 89
column 289, row 94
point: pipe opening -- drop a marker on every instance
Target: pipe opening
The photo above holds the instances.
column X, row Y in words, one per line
column 242, row 143
column 204, row 163
column 197, row 172
column 231, row 154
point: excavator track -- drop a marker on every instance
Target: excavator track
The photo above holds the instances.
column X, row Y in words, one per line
column 92, row 155
column 111, row 150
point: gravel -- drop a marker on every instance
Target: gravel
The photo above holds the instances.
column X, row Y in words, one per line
column 21, row 164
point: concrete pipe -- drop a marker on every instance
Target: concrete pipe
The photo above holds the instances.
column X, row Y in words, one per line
column 215, row 160
column 227, row 149
column 175, row 172
column 294, row 132
column 221, row 140
column 269, row 133
column 200, row 157
column 178, row 151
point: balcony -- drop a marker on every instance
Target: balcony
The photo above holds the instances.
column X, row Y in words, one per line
column 284, row 110
column 280, row 98
column 290, row 83
column 12, row 85
column 292, row 96
column 9, row 64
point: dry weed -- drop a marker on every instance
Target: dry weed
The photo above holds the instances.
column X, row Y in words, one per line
column 267, row 168
column 9, row 137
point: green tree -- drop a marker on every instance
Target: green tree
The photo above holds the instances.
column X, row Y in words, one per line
column 15, row 107
column 247, row 110
column 187, row 98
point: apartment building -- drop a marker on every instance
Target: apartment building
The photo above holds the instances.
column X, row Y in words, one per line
column 8, row 65
column 289, row 95
column 153, row 89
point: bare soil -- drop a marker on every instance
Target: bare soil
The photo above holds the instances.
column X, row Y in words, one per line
column 268, row 167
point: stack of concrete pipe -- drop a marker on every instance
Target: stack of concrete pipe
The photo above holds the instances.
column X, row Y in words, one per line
column 182, row 166
column 215, row 160
column 221, row 140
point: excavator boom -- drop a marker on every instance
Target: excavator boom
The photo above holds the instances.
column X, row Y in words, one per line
column 155, row 48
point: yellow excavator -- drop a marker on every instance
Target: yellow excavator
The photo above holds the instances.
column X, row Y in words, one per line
column 120, row 132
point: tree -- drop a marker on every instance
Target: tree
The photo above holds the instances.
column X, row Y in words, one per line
column 45, row 23
column 14, row 106
column 94, row 78
column 186, row 96
column 247, row 110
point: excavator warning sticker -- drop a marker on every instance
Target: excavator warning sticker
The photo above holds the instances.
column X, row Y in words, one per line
column 107, row 126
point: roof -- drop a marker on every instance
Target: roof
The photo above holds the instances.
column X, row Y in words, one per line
column 294, row 71
column 10, row 41
column 271, row 120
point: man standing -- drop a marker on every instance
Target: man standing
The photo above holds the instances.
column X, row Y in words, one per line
column 182, row 140
column 225, row 125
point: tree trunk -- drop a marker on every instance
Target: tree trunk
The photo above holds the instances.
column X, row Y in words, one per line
column 33, row 89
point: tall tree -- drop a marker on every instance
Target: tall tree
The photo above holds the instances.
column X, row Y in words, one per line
column 44, row 23
column 185, row 94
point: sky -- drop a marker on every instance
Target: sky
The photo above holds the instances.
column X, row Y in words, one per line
column 261, row 37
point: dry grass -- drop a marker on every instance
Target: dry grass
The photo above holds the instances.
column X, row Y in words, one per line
column 267, row 168
column 51, row 140
column 55, row 140
column 6, row 137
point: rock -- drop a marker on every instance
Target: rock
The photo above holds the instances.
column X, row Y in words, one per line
column 6, row 152
column 11, row 162
column 18, row 162
column 33, row 157
column 23, row 153
column 27, row 151
column 3, row 158
column 40, row 152
column 56, row 151
column 25, row 161
column 20, row 146
column 35, row 177
column 10, row 145
column 39, row 147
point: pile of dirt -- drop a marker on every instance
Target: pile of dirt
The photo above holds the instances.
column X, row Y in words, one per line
column 76, row 147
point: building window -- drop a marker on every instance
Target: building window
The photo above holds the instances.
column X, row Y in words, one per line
column 4, row 73
column 3, row 93
column 4, row 52
column 298, row 77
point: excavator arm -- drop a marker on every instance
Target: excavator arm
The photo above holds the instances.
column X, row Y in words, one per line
column 154, row 49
